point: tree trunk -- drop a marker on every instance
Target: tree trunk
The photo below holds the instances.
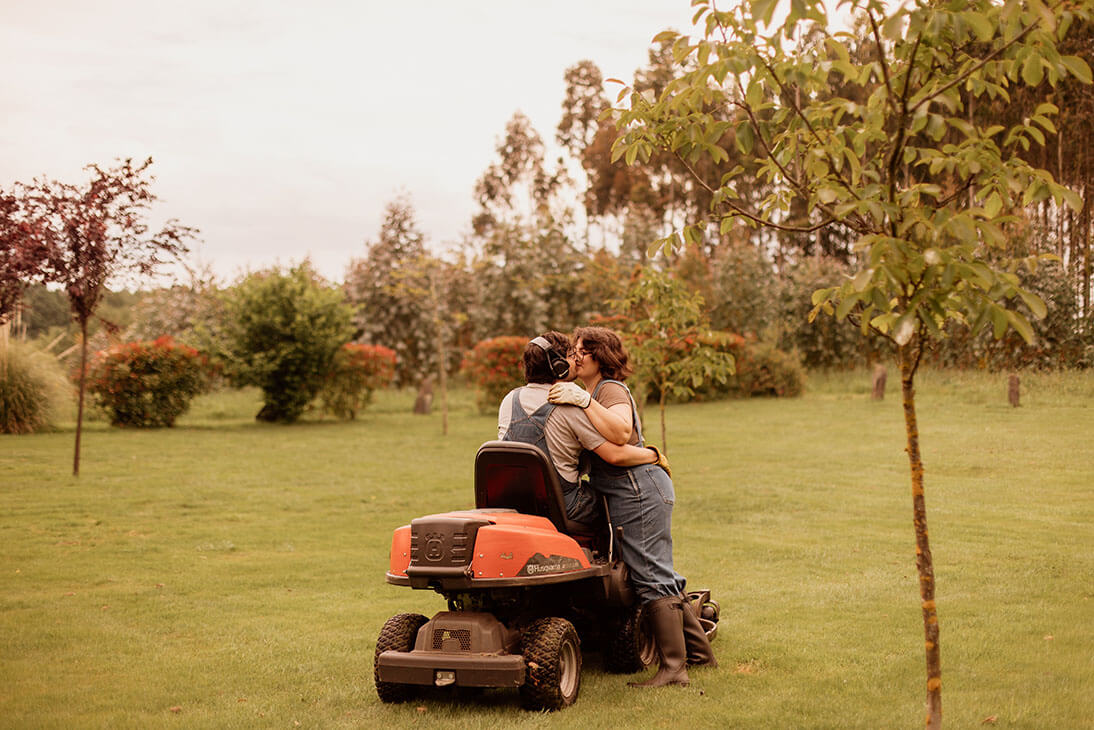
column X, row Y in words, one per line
column 80, row 399
column 5, row 326
column 423, row 404
column 878, row 385
column 924, row 563
column 1085, row 218
column 443, row 377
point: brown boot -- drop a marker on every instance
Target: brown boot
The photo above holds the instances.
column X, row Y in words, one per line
column 699, row 650
column 665, row 617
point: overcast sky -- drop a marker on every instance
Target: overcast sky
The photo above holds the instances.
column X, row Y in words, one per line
column 281, row 128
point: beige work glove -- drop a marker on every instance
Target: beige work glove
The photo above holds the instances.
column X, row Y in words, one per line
column 570, row 394
column 662, row 460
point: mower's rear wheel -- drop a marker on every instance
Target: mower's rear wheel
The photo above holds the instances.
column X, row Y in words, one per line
column 632, row 648
column 398, row 634
column 552, row 657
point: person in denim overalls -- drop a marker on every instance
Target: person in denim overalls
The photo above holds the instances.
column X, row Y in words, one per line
column 561, row 432
column 640, row 501
column 581, row 505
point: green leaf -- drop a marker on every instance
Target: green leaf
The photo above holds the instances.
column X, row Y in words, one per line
column 999, row 320
column 745, row 138
column 893, row 27
column 1021, row 325
column 845, row 306
column 754, row 94
column 981, row 26
column 993, row 205
column 1032, row 70
column 1077, row 67
column 822, row 295
column 1073, row 199
column 1034, row 303
column 862, row 279
column 764, row 10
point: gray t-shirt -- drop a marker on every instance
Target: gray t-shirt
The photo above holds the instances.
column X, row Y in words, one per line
column 568, row 430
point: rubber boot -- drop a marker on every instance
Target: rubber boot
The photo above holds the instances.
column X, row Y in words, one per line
column 666, row 620
column 699, row 650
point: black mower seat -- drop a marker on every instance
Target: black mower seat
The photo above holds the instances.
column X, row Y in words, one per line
column 519, row 476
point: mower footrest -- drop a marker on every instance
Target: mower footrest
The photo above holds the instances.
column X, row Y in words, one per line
column 442, row 668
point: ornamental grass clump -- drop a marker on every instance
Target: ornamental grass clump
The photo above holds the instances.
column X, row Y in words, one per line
column 32, row 389
column 147, row 384
column 358, row 371
column 494, row 367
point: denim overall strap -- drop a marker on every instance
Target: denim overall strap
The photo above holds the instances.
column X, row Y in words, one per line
column 529, row 428
column 599, row 467
column 634, row 409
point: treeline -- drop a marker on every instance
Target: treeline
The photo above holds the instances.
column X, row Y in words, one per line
column 555, row 242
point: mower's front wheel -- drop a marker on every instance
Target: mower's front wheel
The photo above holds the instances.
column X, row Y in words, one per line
column 631, row 647
column 398, row 634
column 552, row 657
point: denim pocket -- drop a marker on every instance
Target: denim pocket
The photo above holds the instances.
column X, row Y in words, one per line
column 656, row 476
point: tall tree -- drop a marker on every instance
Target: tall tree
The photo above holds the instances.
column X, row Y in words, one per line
column 582, row 105
column 528, row 279
column 519, row 186
column 925, row 213
column 90, row 233
column 445, row 292
column 388, row 312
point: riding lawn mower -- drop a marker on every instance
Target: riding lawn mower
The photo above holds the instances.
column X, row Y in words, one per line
column 526, row 588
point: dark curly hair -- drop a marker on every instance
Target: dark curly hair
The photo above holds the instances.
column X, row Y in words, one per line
column 537, row 368
column 607, row 349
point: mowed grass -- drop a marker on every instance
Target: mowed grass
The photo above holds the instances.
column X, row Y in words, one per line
column 230, row 574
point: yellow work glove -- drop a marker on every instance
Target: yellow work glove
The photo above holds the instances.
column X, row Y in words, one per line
column 662, row 460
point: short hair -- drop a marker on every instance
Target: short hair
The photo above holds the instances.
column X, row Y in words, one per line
column 605, row 346
column 537, row 366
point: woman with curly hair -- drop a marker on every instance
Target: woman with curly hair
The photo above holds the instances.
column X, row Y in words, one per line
column 640, row 501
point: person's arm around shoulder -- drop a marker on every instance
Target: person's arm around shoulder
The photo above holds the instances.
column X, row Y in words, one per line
column 613, row 423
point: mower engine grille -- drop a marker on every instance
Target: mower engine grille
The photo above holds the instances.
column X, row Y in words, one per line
column 449, row 639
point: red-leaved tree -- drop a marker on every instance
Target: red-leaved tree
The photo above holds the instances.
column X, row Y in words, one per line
column 21, row 255
column 87, row 234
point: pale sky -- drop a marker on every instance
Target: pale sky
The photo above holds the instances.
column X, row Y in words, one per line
column 281, row 129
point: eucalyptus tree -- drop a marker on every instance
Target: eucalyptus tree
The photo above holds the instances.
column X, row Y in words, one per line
column 519, row 186
column 863, row 141
column 388, row 312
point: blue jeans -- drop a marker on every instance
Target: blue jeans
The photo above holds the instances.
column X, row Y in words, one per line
column 581, row 504
column 640, row 500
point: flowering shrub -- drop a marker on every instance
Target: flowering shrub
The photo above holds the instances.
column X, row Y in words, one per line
column 147, row 384
column 358, row 370
column 494, row 367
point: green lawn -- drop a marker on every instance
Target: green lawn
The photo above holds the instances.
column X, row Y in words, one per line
column 230, row 574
